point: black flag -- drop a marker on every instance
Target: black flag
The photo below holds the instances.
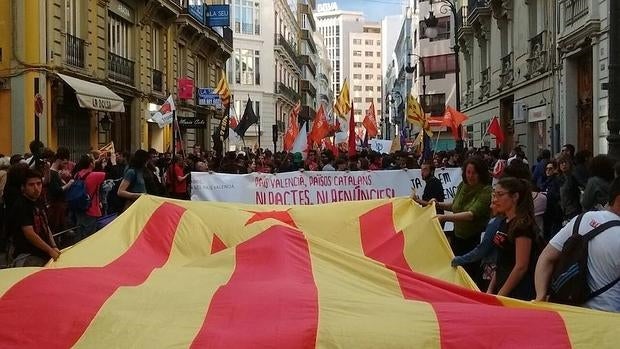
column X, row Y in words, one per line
column 220, row 134
column 247, row 120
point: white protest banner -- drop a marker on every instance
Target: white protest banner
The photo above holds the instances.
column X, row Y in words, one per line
column 381, row 145
column 310, row 187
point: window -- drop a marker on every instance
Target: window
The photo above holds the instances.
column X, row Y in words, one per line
column 119, row 36
column 357, row 64
column 247, row 17
column 378, row 53
column 368, row 42
column 358, row 112
column 357, row 99
column 378, row 88
column 357, row 76
column 247, row 68
column 357, row 88
column 379, row 111
column 369, row 99
column 443, row 29
column 379, row 100
column 368, row 65
column 435, row 104
column 378, row 65
column 368, row 88
column 357, row 41
column 72, row 17
column 378, row 42
column 200, row 72
column 368, row 53
column 181, row 60
column 357, row 53
column 439, row 65
column 368, row 76
column 156, row 46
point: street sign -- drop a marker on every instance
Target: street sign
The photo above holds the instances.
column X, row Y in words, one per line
column 206, row 96
column 218, row 15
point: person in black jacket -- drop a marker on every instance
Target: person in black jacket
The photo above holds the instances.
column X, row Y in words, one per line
column 433, row 188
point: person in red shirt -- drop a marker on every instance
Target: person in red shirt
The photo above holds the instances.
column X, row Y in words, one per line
column 178, row 179
column 87, row 220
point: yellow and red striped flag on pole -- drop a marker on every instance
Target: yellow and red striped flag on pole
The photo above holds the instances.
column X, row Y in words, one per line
column 365, row 274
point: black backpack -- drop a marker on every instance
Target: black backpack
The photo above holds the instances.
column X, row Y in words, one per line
column 569, row 283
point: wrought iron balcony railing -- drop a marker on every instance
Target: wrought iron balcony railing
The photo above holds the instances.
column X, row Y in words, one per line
column 485, row 84
column 507, row 74
column 74, row 51
column 120, row 68
column 537, row 60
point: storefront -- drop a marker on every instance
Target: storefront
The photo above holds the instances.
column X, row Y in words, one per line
column 87, row 115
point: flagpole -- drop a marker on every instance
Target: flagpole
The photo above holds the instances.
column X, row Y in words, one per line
column 485, row 134
column 174, row 133
column 436, row 142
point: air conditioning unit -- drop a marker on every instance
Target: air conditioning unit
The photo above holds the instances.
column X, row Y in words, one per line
column 519, row 111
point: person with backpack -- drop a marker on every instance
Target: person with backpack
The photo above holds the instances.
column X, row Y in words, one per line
column 581, row 263
column 516, row 240
column 83, row 195
column 133, row 185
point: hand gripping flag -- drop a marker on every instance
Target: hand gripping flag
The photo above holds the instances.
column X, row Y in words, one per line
column 365, row 274
column 370, row 121
column 343, row 102
column 320, row 126
column 293, row 127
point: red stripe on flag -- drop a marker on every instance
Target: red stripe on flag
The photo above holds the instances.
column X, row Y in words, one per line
column 463, row 315
column 271, row 300
column 53, row 307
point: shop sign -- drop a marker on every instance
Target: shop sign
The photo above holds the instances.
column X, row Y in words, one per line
column 192, row 122
column 123, row 10
column 186, row 88
column 218, row 15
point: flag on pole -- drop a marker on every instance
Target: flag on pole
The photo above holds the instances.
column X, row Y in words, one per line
column 320, row 126
column 248, row 119
column 223, row 91
column 301, row 142
column 453, row 119
column 496, row 129
column 343, row 102
column 163, row 116
column 352, row 135
column 293, row 127
column 370, row 121
column 415, row 113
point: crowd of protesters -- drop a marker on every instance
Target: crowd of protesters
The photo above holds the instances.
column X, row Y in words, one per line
column 508, row 210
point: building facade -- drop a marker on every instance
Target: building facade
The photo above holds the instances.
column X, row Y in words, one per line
column 335, row 25
column 324, row 72
column 583, row 60
column 506, row 71
column 100, row 68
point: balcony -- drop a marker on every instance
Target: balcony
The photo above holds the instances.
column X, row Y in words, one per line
column 158, row 81
column 228, row 36
column 485, row 84
column 507, row 74
column 287, row 92
column 307, row 86
column 306, row 9
column 469, row 93
column 307, row 36
column 307, row 113
column 74, row 51
column 477, row 9
column 120, row 69
column 574, row 10
column 323, row 77
column 537, row 61
column 280, row 41
column 306, row 60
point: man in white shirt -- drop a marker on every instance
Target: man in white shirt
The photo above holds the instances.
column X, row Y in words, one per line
column 603, row 255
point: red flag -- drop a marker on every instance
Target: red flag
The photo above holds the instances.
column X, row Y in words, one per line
column 233, row 122
column 496, row 129
column 293, row 128
column 370, row 121
column 352, row 150
column 320, row 127
column 453, row 118
column 327, row 144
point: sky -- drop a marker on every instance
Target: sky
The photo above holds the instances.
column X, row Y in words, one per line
column 374, row 10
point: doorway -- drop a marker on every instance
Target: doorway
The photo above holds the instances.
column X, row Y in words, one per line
column 584, row 102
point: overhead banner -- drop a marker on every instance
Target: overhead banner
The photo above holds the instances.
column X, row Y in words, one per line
column 313, row 187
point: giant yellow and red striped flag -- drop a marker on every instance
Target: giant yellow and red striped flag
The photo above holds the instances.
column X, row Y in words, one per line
column 223, row 90
column 367, row 274
column 343, row 102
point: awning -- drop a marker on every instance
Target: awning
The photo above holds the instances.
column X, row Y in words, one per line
column 94, row 96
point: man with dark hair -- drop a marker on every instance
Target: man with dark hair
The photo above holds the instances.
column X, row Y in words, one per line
column 569, row 150
column 32, row 238
column 433, row 188
column 539, row 176
column 603, row 255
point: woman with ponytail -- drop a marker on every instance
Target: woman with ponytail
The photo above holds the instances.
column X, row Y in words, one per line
column 516, row 239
